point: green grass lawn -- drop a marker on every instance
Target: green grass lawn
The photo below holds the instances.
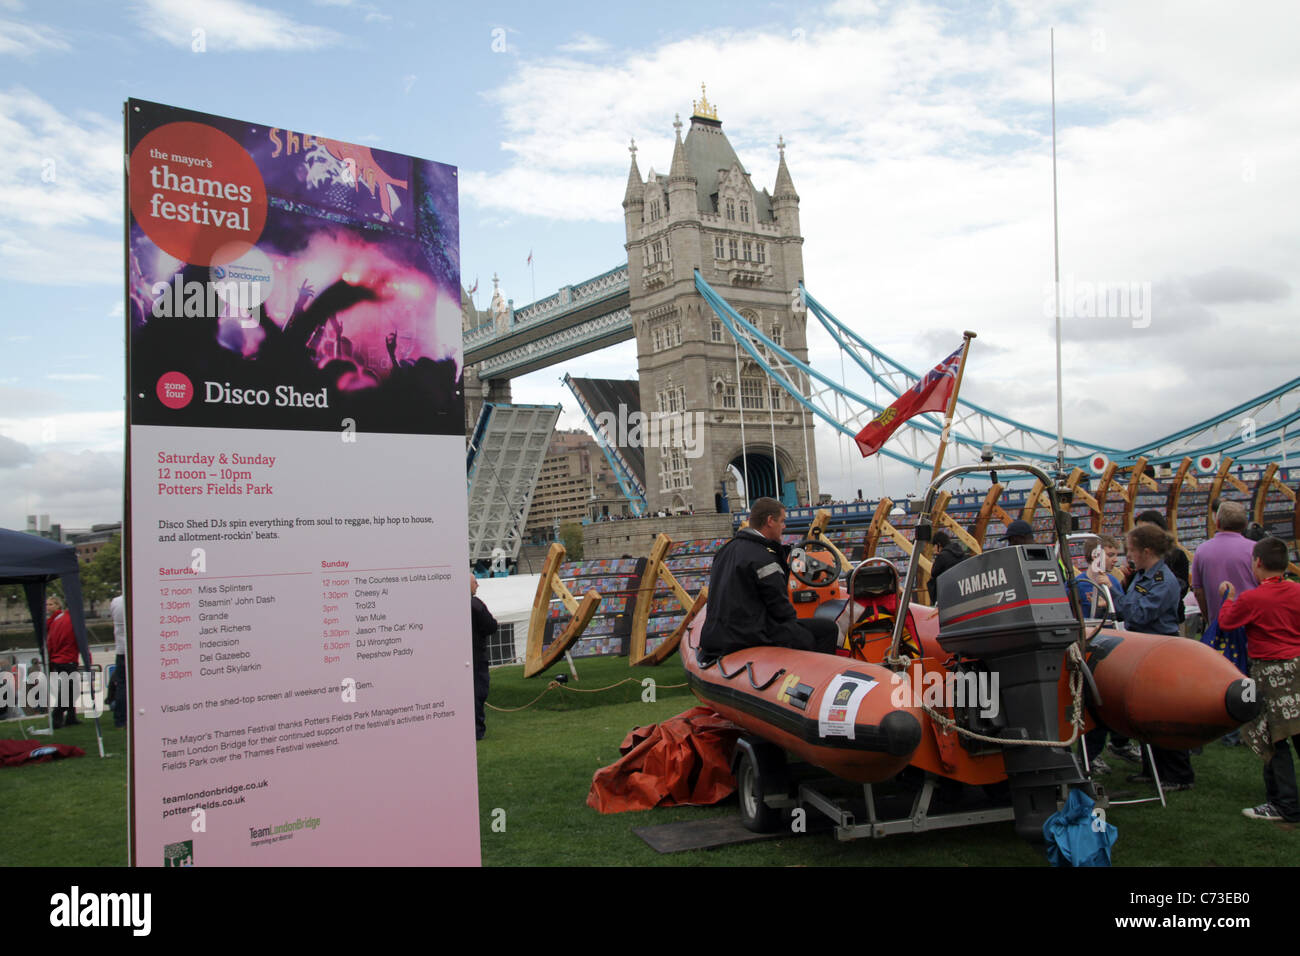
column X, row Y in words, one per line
column 537, row 765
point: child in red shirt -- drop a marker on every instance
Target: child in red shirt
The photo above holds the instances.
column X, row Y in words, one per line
column 1271, row 615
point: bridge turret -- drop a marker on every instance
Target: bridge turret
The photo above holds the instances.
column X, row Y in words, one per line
column 717, row 222
column 634, row 196
column 785, row 201
column 683, row 212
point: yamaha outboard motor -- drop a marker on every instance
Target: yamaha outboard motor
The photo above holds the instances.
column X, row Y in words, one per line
column 1009, row 609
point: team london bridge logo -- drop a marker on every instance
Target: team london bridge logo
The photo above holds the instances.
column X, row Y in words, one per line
column 839, row 706
column 179, row 854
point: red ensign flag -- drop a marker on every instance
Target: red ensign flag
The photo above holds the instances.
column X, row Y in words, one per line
column 930, row 394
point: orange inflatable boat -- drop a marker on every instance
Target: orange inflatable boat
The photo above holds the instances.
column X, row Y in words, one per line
column 980, row 692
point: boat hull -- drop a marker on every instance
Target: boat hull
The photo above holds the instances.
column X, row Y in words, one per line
column 1168, row 691
column 842, row 715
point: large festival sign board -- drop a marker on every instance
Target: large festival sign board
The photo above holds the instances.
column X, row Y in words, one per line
column 301, row 686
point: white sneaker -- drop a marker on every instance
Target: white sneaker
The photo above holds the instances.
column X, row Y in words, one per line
column 1100, row 766
column 1265, row 811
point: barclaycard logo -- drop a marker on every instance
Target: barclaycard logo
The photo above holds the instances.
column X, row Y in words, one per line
column 240, row 273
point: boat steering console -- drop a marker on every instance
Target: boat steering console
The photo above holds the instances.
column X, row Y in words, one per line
column 815, row 572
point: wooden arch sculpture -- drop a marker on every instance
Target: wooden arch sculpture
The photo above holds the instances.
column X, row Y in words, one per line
column 656, row 571
column 881, row 526
column 1138, row 477
column 1267, row 482
column 1038, row 493
column 535, row 661
column 1222, row 476
column 1103, row 492
column 1182, row 477
column 943, row 521
column 990, row 509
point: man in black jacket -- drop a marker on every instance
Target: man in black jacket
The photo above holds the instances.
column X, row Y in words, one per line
column 749, row 592
column 947, row 553
column 482, row 626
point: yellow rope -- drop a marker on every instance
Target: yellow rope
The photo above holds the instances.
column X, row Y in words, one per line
column 510, row 710
column 556, row 685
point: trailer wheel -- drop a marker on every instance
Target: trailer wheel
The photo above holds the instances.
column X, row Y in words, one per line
column 760, row 769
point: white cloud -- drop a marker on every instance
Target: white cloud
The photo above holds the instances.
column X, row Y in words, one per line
column 59, row 430
column 76, row 489
column 853, row 9
column 59, row 257
column 230, row 26
column 584, row 43
column 22, row 39
column 59, row 170
column 60, row 193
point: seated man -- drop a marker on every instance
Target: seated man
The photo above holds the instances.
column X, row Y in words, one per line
column 749, row 592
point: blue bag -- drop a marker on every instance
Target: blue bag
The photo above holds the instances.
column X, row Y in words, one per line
column 1076, row 836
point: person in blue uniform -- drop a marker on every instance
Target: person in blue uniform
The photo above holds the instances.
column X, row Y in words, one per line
column 1150, row 605
column 749, row 592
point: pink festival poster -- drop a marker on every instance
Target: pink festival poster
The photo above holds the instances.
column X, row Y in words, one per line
column 297, row 568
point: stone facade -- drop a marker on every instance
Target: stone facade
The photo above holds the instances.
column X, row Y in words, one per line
column 475, row 390
column 707, row 215
column 636, row 536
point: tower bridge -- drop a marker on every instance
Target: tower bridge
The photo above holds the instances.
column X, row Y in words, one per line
column 712, row 292
column 706, row 215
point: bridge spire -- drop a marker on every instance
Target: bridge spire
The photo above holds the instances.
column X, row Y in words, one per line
column 633, row 194
column 681, row 169
column 784, row 184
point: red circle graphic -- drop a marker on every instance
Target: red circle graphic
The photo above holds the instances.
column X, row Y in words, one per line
column 195, row 190
column 175, row 390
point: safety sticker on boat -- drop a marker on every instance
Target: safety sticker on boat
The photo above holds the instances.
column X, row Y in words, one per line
column 839, row 711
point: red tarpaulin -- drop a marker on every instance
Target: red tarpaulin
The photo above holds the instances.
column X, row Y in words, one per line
column 684, row 760
column 15, row 752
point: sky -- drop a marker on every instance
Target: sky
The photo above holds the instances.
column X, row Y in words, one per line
column 919, row 140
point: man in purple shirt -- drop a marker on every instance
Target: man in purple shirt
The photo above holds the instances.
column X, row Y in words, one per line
column 1225, row 557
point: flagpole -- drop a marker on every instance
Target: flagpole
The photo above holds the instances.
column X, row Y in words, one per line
column 740, row 403
column 952, row 404
column 1056, row 254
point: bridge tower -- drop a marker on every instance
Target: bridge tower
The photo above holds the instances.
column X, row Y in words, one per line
column 706, row 214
